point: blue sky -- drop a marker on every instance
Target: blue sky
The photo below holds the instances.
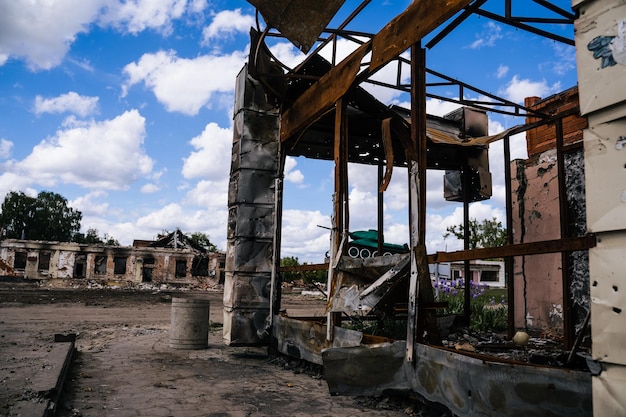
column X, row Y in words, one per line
column 124, row 107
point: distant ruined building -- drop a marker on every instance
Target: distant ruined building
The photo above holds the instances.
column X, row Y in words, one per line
column 172, row 259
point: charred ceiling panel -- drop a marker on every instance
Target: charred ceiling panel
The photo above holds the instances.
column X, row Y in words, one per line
column 300, row 22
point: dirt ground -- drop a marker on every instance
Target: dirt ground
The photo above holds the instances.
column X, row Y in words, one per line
column 125, row 367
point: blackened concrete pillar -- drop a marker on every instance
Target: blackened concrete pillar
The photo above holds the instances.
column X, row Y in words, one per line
column 251, row 207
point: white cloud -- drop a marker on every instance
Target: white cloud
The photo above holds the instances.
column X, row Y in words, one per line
column 287, row 53
column 438, row 223
column 293, row 175
column 438, row 107
column 149, row 188
column 210, row 159
column 227, row 23
column 106, row 155
column 197, row 6
column 502, row 71
column 67, row 103
column 518, row 89
column 5, row 148
column 488, row 37
column 13, row 181
column 301, row 236
column 89, row 204
column 134, row 16
column 184, row 85
column 565, row 58
column 209, row 194
column 41, row 31
column 173, row 216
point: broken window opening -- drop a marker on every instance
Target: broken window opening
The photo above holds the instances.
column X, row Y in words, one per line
column 20, row 260
column 489, row 276
column 44, row 261
column 100, row 265
column 80, row 265
column 120, row 265
column 181, row 268
column 146, row 272
column 200, row 266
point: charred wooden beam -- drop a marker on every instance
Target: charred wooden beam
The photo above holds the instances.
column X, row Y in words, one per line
column 414, row 23
column 303, row 268
column 409, row 27
column 519, row 249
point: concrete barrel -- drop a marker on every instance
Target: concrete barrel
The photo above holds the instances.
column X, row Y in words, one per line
column 189, row 327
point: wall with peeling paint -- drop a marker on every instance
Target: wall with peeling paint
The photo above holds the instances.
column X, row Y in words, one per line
column 538, row 279
column 601, row 62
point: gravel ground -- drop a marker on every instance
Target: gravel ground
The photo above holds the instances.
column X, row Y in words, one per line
column 125, row 367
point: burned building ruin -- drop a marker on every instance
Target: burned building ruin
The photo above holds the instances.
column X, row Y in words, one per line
column 565, row 235
column 172, row 259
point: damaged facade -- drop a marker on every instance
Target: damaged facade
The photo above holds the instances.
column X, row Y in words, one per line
column 170, row 260
column 318, row 110
column 549, row 286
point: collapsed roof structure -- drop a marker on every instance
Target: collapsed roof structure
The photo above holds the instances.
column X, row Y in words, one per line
column 320, row 110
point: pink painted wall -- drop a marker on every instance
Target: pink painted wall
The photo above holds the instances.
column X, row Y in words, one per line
column 537, row 279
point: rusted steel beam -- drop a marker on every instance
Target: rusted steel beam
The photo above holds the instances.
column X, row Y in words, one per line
column 409, row 27
column 398, row 35
column 508, row 262
column 519, row 249
column 568, row 324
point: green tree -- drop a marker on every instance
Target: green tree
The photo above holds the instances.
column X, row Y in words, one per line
column 110, row 240
column 290, row 261
column 202, row 240
column 93, row 238
column 90, row 238
column 486, row 234
column 308, row 277
column 46, row 217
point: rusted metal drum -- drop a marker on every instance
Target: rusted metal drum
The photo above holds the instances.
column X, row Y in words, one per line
column 189, row 327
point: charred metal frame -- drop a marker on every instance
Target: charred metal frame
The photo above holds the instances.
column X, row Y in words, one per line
column 497, row 105
column 328, row 95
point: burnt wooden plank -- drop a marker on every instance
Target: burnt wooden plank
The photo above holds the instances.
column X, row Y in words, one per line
column 322, row 95
column 409, row 27
column 519, row 249
column 398, row 35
